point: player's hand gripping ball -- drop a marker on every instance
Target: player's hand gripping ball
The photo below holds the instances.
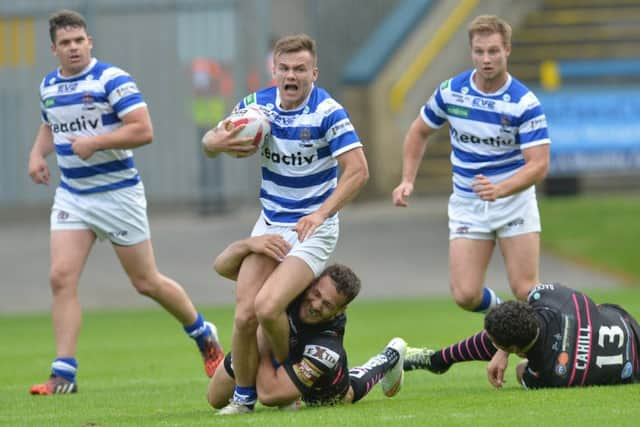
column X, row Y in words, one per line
column 256, row 126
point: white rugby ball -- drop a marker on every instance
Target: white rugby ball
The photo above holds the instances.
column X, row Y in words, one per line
column 256, row 125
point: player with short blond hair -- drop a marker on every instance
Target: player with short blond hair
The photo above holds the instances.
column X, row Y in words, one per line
column 500, row 150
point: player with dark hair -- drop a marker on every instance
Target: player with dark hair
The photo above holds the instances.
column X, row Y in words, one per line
column 316, row 369
column 93, row 115
column 566, row 339
column 312, row 164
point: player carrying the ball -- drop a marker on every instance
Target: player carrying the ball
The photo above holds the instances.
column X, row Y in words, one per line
column 312, row 140
column 316, row 371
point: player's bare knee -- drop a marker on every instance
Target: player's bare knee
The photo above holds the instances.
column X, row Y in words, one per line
column 216, row 400
column 522, row 291
column 466, row 299
column 267, row 398
column 245, row 322
column 145, row 285
column 268, row 401
column 466, row 305
column 267, row 311
column 61, row 280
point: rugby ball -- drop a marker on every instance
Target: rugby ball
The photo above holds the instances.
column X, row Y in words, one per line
column 255, row 122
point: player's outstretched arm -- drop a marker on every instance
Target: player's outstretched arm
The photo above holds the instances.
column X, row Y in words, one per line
column 413, row 149
column 496, row 368
column 228, row 263
column 42, row 147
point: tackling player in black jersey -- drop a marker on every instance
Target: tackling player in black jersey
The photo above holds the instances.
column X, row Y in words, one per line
column 565, row 338
column 316, row 370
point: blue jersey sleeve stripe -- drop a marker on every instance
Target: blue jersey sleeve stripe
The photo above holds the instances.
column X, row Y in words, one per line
column 50, row 79
column 113, row 186
column 333, row 118
column 102, row 168
column 439, row 100
column 127, row 102
column 300, row 181
column 488, row 171
column 116, row 82
column 295, row 203
column 44, row 116
column 343, row 140
column 468, row 157
column 532, row 113
column 536, row 135
column 64, row 150
column 110, row 119
column 435, row 119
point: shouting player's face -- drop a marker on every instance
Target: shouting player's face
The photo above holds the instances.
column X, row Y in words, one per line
column 294, row 74
column 72, row 47
column 321, row 302
column 489, row 55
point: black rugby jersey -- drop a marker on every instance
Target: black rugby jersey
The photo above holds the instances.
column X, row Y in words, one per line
column 317, row 362
column 581, row 343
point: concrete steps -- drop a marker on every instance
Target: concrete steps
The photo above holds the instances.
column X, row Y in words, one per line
column 568, row 30
column 560, row 30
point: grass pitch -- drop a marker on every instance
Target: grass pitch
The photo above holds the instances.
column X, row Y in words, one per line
column 137, row 368
column 597, row 230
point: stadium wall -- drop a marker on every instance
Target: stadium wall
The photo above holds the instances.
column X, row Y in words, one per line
column 157, row 42
column 172, row 48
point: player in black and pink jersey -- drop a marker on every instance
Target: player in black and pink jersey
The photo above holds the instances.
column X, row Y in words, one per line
column 566, row 339
column 316, row 370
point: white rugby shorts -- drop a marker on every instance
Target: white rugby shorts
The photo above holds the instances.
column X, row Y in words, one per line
column 118, row 215
column 473, row 218
column 314, row 251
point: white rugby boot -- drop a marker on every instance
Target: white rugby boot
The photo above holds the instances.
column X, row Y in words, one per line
column 393, row 378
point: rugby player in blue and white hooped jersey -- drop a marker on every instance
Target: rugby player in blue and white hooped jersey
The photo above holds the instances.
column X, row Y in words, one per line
column 312, row 140
column 93, row 115
column 500, row 149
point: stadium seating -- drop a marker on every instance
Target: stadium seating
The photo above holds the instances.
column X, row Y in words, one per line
column 587, row 41
column 566, row 45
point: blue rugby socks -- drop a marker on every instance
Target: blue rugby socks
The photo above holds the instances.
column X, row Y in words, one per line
column 489, row 300
column 245, row 396
column 65, row 367
column 198, row 330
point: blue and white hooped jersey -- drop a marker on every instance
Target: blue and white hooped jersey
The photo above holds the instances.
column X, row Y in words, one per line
column 298, row 161
column 90, row 103
column 488, row 131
